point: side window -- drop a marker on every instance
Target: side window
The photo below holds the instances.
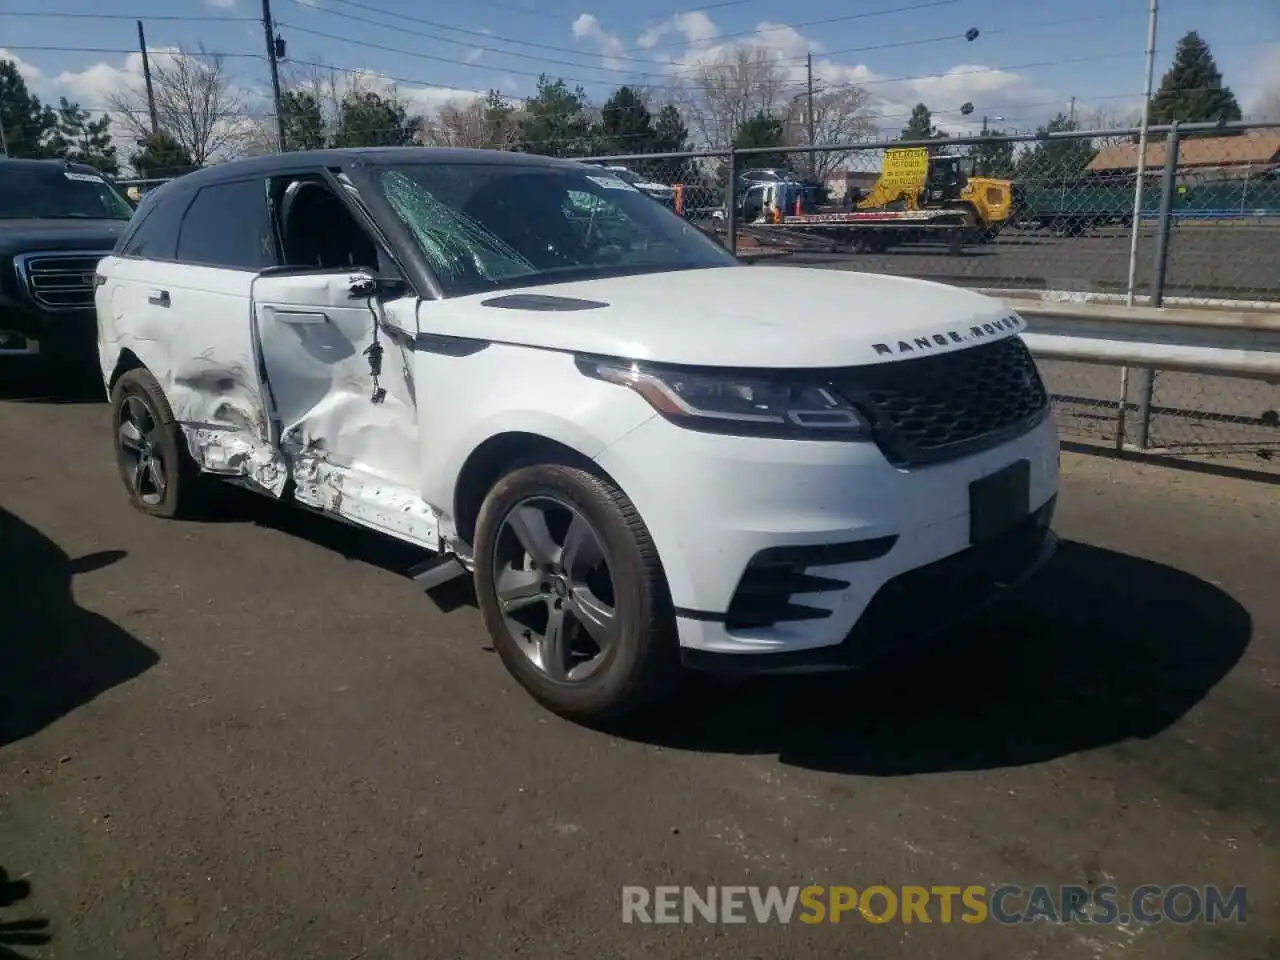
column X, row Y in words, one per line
column 227, row 225
column 316, row 228
column 155, row 235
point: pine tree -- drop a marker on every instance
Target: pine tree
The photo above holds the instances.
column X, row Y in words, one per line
column 501, row 122
column 555, row 121
column 920, row 127
column 28, row 123
column 161, row 156
column 762, row 130
column 1192, row 91
column 625, row 126
column 79, row 138
column 1056, row 159
column 304, row 124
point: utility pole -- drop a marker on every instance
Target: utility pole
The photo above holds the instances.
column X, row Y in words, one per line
column 146, row 76
column 4, row 144
column 809, row 65
column 1072, row 113
column 268, row 29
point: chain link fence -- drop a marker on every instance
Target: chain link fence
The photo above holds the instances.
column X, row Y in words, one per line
column 1035, row 214
column 1048, row 214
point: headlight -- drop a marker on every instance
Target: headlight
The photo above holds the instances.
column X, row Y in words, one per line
column 735, row 403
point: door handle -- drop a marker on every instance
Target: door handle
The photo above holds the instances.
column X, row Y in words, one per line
column 301, row 316
column 159, row 298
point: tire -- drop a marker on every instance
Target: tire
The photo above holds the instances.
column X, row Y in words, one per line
column 136, row 399
column 640, row 662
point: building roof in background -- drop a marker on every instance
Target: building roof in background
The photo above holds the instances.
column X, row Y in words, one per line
column 1258, row 147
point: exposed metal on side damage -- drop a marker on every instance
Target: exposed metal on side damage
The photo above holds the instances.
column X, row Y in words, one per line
column 230, row 452
column 364, row 500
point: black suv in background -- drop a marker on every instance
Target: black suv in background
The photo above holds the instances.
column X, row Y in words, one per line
column 57, row 220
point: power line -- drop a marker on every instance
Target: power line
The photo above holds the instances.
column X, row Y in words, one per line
column 1034, row 65
column 474, row 46
column 43, row 15
column 127, row 50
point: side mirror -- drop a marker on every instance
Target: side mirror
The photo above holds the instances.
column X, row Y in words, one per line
column 382, row 287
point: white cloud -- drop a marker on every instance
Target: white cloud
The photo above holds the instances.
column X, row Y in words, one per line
column 221, row 4
column 1264, row 80
column 696, row 28
column 612, row 52
column 474, row 54
column 28, row 71
column 422, row 100
column 991, row 91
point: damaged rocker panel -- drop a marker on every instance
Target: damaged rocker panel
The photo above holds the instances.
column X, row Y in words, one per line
column 234, row 452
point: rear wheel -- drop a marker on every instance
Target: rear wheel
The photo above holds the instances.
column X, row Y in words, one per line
column 573, row 593
column 151, row 452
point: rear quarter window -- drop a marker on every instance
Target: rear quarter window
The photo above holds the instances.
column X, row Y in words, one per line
column 228, row 225
column 153, row 232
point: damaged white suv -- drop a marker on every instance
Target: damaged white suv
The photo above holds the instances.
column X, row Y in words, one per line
column 648, row 454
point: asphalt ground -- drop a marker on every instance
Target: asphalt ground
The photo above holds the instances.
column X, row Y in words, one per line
column 254, row 738
column 1233, row 262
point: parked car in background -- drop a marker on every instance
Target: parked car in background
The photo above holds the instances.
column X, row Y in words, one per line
column 57, row 220
column 661, row 192
column 647, row 454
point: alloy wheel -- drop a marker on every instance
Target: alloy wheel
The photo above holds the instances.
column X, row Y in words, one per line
column 555, row 589
column 137, row 439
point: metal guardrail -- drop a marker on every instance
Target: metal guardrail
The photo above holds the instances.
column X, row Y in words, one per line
column 1235, row 343
column 1207, row 384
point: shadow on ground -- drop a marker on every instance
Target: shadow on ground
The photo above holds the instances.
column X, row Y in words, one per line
column 30, row 932
column 1100, row 648
column 55, row 655
column 355, row 543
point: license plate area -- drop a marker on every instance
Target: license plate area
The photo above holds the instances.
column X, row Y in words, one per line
column 999, row 501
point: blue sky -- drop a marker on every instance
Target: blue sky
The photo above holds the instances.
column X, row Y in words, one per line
column 1027, row 62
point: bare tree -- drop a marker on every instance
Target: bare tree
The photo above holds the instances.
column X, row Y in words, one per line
column 458, row 124
column 839, row 117
column 720, row 96
column 1110, row 117
column 197, row 104
column 491, row 122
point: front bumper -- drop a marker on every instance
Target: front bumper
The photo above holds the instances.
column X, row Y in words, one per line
column 31, row 336
column 871, row 555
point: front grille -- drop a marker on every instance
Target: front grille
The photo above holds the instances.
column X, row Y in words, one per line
column 950, row 405
column 59, row 281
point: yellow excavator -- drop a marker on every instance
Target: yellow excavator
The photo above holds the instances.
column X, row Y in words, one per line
column 912, row 179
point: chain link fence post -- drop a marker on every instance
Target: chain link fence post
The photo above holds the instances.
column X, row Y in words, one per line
column 1168, row 183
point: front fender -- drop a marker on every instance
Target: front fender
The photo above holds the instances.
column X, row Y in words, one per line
column 513, row 390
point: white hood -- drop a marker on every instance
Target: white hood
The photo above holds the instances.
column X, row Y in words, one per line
column 750, row 316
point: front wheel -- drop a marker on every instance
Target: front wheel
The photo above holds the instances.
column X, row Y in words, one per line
column 573, row 593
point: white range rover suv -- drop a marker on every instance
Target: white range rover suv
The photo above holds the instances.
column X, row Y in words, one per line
column 648, row 454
